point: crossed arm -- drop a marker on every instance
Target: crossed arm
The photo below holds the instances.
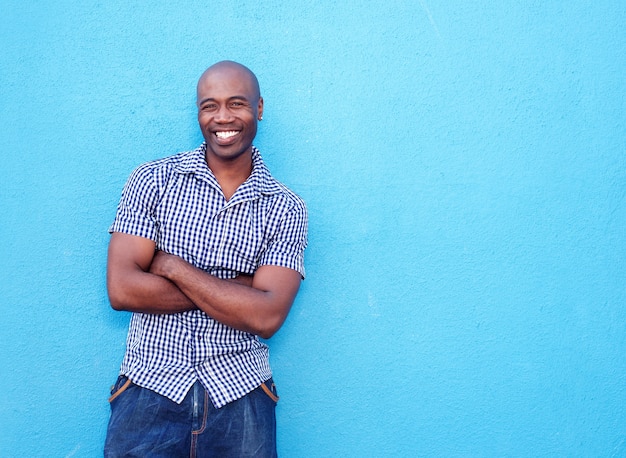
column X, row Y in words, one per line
column 142, row 280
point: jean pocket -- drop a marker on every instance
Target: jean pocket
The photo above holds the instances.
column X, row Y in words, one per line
column 269, row 388
column 120, row 386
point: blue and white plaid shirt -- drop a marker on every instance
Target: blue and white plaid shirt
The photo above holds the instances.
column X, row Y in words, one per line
column 178, row 203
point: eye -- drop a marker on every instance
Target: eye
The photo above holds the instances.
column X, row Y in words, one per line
column 209, row 107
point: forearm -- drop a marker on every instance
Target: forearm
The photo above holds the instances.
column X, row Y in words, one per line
column 249, row 309
column 132, row 287
column 146, row 293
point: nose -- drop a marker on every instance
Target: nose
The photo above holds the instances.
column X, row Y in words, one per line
column 223, row 114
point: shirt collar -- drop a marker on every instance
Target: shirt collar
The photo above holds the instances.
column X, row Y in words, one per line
column 260, row 181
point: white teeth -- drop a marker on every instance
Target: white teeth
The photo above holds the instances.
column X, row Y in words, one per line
column 228, row 134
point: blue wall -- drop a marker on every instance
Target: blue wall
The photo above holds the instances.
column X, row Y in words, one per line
column 465, row 170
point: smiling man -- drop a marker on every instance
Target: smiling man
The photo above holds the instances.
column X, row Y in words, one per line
column 207, row 251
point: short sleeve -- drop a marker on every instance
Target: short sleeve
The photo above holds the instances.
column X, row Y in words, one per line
column 286, row 247
column 135, row 212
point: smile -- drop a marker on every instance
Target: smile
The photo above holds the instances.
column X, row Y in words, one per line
column 226, row 135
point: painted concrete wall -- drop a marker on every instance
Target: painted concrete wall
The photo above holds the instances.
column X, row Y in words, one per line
column 464, row 166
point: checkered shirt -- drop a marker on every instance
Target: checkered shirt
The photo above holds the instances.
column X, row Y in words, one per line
column 178, row 203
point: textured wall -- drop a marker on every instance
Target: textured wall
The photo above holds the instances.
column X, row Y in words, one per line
column 464, row 166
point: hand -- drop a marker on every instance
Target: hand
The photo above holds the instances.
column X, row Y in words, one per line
column 162, row 262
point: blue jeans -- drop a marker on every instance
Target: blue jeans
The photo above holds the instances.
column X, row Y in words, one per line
column 146, row 424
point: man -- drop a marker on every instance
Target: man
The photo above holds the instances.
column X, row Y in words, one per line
column 207, row 252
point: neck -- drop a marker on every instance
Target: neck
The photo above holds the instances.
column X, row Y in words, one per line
column 230, row 173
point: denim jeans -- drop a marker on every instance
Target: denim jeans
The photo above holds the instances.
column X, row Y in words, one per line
column 146, row 424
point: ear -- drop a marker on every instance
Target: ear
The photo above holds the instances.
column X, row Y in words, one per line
column 260, row 109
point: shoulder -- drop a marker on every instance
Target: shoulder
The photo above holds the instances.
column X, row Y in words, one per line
column 282, row 196
column 274, row 189
column 289, row 210
column 292, row 199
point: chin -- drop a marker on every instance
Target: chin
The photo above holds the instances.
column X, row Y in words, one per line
column 227, row 153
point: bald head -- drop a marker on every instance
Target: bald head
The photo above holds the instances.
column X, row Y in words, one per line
column 231, row 70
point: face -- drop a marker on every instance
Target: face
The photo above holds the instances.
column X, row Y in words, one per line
column 229, row 106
